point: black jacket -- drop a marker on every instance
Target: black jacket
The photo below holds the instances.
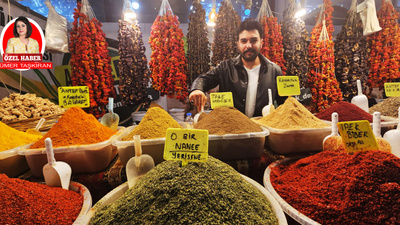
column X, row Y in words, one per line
column 231, row 76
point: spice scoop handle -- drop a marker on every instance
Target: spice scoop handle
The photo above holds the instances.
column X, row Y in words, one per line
column 50, row 152
column 376, row 124
column 335, row 119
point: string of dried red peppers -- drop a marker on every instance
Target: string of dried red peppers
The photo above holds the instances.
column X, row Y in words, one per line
column 321, row 79
column 90, row 61
column 385, row 48
column 168, row 63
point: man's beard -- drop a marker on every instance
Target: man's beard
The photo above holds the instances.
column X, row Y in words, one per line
column 249, row 58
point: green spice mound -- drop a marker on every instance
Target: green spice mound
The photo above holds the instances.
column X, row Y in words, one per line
column 199, row 193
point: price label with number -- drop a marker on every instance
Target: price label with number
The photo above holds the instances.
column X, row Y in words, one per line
column 392, row 89
column 357, row 136
column 75, row 96
column 221, row 99
column 288, row 85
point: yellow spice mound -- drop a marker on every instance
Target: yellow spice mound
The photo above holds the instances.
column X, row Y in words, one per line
column 292, row 115
column 11, row 138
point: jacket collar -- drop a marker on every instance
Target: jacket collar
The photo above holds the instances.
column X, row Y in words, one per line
column 264, row 61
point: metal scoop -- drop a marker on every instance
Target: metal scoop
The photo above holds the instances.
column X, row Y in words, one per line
column 36, row 129
column 393, row 137
column 360, row 100
column 110, row 119
column 139, row 165
column 56, row 174
column 270, row 107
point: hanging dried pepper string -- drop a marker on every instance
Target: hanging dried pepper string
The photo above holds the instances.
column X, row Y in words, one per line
column 168, row 63
column 90, row 61
column 385, row 48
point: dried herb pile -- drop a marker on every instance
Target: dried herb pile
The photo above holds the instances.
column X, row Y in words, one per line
column 224, row 45
column 132, row 65
column 388, row 107
column 295, row 45
column 198, row 51
column 351, row 55
column 90, row 61
column 385, row 48
column 199, row 193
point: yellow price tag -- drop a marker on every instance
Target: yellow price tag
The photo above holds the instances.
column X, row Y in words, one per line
column 357, row 136
column 392, row 89
column 74, row 96
column 221, row 99
column 186, row 145
column 288, row 85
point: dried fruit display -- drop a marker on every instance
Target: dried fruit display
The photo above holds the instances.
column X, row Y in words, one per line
column 198, row 51
column 385, row 48
column 272, row 47
column 351, row 55
column 295, row 37
column 321, row 79
column 225, row 41
column 90, row 61
column 168, row 63
column 132, row 65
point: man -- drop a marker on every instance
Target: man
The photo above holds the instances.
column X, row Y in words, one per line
column 248, row 76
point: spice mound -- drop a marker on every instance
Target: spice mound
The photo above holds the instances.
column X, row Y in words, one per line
column 199, row 193
column 24, row 202
column 11, row 138
column 76, row 127
column 19, row 107
column 340, row 188
column 292, row 115
column 154, row 124
column 347, row 112
column 388, row 107
column 226, row 120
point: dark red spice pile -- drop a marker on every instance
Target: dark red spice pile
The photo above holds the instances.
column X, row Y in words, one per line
column 347, row 112
column 24, row 202
column 339, row 188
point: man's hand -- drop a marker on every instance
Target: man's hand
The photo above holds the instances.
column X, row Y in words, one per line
column 198, row 98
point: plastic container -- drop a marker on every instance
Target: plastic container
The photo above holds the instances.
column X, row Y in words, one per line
column 82, row 158
column 120, row 190
column 13, row 164
column 288, row 209
column 87, row 200
column 177, row 114
column 224, row 147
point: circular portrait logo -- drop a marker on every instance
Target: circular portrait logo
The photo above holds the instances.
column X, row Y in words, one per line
column 22, row 35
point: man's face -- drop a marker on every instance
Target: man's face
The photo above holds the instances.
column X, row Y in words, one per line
column 249, row 44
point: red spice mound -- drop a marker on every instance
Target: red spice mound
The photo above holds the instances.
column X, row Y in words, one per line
column 347, row 112
column 339, row 188
column 24, row 202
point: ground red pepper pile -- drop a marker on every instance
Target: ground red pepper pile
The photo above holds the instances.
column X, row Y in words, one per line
column 90, row 61
column 24, row 202
column 338, row 188
column 347, row 112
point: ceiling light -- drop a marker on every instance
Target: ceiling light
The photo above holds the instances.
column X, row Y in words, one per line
column 135, row 5
column 129, row 14
column 300, row 13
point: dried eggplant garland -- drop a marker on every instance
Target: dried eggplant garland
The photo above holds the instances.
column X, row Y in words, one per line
column 198, row 51
column 351, row 55
column 225, row 41
column 168, row 63
column 385, row 48
column 132, row 65
column 90, row 61
column 295, row 45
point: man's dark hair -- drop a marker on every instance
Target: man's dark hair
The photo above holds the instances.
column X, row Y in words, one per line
column 250, row 24
column 28, row 26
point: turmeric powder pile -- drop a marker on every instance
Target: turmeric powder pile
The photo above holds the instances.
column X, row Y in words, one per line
column 154, row 124
column 11, row 138
column 292, row 115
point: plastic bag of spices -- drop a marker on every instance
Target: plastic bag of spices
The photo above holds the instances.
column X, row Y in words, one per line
column 56, row 31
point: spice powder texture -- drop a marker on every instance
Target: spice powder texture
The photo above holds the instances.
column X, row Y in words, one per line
column 347, row 112
column 11, row 138
column 340, row 188
column 198, row 193
column 388, row 107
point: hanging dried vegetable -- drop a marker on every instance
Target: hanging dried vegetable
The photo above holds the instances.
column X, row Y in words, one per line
column 90, row 61
column 385, row 48
column 168, row 63
column 351, row 55
column 272, row 47
column 295, row 45
column 132, row 65
column 225, row 40
column 321, row 79
column 198, row 46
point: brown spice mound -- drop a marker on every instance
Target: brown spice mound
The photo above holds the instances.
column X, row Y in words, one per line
column 226, row 120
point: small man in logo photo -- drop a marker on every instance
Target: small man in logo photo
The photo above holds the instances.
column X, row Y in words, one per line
column 21, row 42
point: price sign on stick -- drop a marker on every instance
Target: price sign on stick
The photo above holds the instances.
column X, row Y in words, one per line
column 357, row 136
column 221, row 99
column 186, row 145
column 76, row 96
column 288, row 85
column 392, row 89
